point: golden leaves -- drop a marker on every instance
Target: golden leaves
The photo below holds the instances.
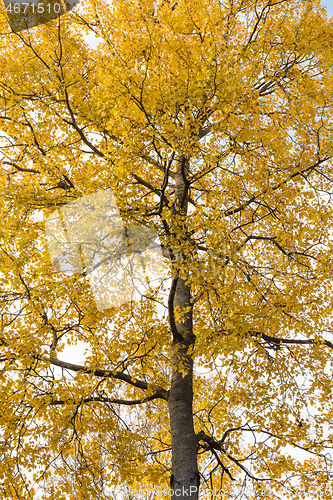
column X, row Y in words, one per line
column 252, row 116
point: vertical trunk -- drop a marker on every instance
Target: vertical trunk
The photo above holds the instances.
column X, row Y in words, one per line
column 185, row 477
column 184, row 480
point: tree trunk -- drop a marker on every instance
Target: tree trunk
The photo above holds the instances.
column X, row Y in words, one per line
column 185, row 477
column 184, row 480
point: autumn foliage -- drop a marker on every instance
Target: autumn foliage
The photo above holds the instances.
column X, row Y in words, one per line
column 211, row 122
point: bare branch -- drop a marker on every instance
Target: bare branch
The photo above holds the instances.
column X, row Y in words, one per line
column 279, row 341
column 128, row 402
column 98, row 372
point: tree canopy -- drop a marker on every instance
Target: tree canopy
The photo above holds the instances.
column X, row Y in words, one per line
column 211, row 124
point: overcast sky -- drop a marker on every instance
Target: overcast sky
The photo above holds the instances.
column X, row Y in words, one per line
column 329, row 5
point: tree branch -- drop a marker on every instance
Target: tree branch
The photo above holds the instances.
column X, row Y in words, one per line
column 20, row 169
column 151, row 187
column 101, row 399
column 160, row 392
column 279, row 341
column 274, row 188
column 174, row 331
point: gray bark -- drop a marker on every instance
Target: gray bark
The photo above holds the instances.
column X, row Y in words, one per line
column 184, row 480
